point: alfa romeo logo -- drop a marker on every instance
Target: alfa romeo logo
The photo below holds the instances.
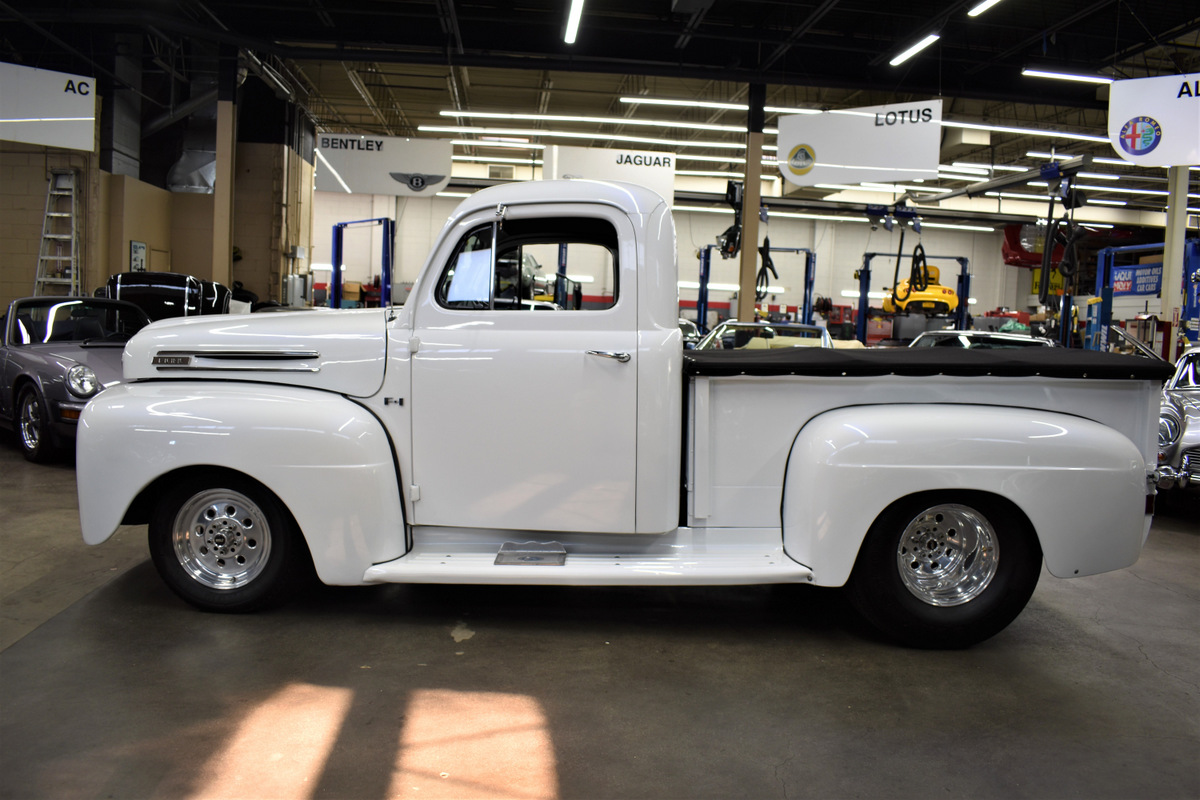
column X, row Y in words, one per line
column 802, row 159
column 1140, row 135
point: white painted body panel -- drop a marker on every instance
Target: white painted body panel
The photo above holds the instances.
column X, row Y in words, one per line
column 341, row 351
column 327, row 458
column 515, row 426
column 743, row 427
column 849, row 464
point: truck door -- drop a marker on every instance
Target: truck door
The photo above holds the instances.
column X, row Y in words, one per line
column 524, row 373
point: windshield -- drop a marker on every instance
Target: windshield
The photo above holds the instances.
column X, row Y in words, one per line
column 82, row 320
column 976, row 341
column 1187, row 376
column 747, row 336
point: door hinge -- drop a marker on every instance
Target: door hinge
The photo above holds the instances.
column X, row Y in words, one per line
column 414, row 492
column 414, row 344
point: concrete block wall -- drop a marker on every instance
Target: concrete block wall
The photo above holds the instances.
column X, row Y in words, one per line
column 24, row 180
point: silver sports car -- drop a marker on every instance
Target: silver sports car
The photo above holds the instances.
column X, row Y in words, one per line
column 1179, row 424
column 56, row 354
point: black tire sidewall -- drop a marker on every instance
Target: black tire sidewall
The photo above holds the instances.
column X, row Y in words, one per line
column 879, row 593
column 269, row 587
column 46, row 449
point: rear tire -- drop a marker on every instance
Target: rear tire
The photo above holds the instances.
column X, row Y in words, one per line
column 226, row 543
column 946, row 570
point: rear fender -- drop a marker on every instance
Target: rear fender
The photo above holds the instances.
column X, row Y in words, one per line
column 328, row 460
column 1081, row 485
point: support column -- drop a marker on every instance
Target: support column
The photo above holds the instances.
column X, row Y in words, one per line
column 751, row 197
column 222, row 243
column 1172, row 275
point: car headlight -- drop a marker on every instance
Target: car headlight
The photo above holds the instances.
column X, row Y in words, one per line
column 82, row 381
column 1168, row 430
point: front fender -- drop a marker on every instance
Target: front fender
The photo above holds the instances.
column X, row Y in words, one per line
column 327, row 458
column 1081, row 484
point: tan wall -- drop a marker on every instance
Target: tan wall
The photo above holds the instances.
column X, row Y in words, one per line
column 256, row 227
column 139, row 212
column 273, row 188
column 192, row 234
column 24, row 179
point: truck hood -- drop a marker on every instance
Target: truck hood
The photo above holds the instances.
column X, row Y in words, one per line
column 337, row 351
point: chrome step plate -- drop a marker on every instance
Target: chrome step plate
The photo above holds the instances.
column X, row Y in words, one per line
column 531, row 554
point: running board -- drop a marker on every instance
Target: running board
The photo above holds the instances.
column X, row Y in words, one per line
column 728, row 563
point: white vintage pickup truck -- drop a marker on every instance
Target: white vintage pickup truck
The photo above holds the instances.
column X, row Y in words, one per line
column 498, row 428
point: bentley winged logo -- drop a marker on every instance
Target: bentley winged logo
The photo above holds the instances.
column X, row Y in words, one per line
column 415, row 180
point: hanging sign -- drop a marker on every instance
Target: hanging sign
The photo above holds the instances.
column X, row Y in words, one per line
column 653, row 170
column 387, row 165
column 40, row 106
column 1137, row 279
column 898, row 142
column 1155, row 122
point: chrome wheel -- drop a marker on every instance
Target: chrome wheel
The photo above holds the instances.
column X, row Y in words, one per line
column 947, row 555
column 221, row 538
column 29, row 426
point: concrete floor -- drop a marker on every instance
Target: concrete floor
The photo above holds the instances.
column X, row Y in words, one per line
column 113, row 688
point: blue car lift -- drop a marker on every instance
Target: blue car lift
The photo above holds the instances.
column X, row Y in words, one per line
column 864, row 284
column 385, row 273
column 810, row 275
column 1100, row 314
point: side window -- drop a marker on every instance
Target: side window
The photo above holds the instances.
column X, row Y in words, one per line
column 543, row 264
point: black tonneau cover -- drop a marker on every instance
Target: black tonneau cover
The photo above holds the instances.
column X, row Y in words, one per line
column 1050, row 362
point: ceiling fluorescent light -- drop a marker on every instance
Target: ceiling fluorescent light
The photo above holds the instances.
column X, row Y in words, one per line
column 496, row 143
column 1016, row 196
column 701, row 173
column 948, row 226
column 1093, row 201
column 773, row 213
column 972, row 169
column 965, row 165
column 573, row 21
column 663, row 101
column 916, row 48
column 1099, row 176
column 658, row 101
column 497, row 159
column 1065, row 76
column 656, row 123
column 612, row 137
column 1081, row 137
column 1116, row 162
column 982, row 7
column 726, row 287
column 783, row 110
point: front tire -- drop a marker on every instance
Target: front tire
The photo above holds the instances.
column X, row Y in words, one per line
column 33, row 428
column 946, row 570
column 225, row 543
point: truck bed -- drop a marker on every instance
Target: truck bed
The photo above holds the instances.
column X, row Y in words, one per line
column 1046, row 362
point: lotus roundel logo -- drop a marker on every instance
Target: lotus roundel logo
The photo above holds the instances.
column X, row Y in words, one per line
column 802, row 159
column 1140, row 135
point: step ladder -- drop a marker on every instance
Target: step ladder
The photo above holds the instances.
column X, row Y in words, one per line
column 58, row 255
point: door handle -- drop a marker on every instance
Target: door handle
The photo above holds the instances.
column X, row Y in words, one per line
column 622, row 357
